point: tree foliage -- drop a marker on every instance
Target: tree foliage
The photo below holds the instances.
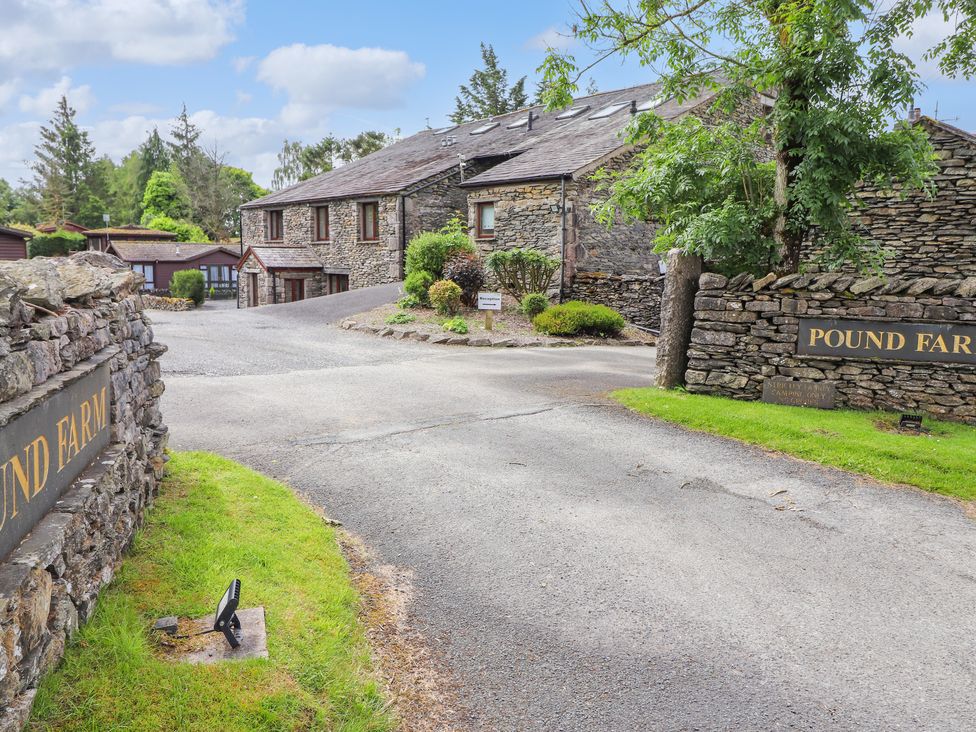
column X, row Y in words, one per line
column 487, row 94
column 63, row 165
column 58, row 243
column 298, row 162
column 705, row 187
column 184, row 230
column 835, row 75
column 166, row 194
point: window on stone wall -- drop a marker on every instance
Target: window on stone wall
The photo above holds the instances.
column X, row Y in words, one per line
column 276, row 225
column 486, row 220
column 369, row 217
column 321, row 223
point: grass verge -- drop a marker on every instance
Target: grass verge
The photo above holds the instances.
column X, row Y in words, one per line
column 940, row 460
column 216, row 520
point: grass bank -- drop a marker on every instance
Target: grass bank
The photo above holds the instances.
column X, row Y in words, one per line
column 216, row 520
column 940, row 460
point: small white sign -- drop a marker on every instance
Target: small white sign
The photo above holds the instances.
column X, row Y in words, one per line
column 489, row 301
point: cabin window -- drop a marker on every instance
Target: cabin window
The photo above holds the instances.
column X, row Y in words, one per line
column 276, row 225
column 370, row 221
column 149, row 272
column 486, row 220
column 321, row 223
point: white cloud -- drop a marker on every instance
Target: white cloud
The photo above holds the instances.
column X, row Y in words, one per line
column 16, row 147
column 243, row 97
column 135, row 108
column 927, row 32
column 551, row 37
column 7, row 91
column 55, row 34
column 242, row 63
column 79, row 97
column 321, row 78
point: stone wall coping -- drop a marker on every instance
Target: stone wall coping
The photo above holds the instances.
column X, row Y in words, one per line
column 17, row 406
column 840, row 282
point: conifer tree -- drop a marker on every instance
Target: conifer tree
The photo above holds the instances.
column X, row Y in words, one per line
column 63, row 164
column 487, row 93
column 153, row 156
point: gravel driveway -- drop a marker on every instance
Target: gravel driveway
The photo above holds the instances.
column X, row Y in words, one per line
column 580, row 567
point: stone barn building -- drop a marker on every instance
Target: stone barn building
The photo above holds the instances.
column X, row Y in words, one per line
column 521, row 180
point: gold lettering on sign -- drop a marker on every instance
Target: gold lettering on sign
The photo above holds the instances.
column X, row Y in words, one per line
column 28, row 475
column 960, row 344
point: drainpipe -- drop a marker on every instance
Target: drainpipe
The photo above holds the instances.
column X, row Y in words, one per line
column 274, row 287
column 402, row 202
column 562, row 235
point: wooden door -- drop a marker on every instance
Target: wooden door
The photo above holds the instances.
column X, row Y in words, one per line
column 252, row 290
column 295, row 289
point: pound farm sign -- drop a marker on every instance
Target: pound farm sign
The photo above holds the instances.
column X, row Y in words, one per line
column 890, row 341
column 43, row 450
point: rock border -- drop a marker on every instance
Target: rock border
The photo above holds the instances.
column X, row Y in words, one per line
column 456, row 339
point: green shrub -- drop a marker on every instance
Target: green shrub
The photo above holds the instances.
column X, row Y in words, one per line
column 445, row 296
column 576, row 318
column 428, row 251
column 456, row 324
column 56, row 244
column 184, row 230
column 409, row 301
column 464, row 268
column 534, row 303
column 188, row 283
column 521, row 271
column 417, row 284
column 400, row 318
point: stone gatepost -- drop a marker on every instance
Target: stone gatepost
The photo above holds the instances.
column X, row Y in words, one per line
column 677, row 316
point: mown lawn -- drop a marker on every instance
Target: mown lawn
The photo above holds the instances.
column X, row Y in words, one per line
column 943, row 460
column 216, row 520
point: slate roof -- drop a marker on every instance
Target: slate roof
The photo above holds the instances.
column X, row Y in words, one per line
column 283, row 257
column 952, row 129
column 552, row 148
column 15, row 232
column 166, row 251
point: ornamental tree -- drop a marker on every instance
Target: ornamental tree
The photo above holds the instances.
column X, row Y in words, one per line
column 834, row 75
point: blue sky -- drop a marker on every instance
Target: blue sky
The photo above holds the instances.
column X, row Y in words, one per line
column 254, row 73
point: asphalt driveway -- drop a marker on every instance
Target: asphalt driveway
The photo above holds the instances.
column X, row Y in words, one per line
column 580, row 567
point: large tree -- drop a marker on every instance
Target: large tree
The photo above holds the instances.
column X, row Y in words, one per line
column 487, row 93
column 63, row 165
column 154, row 154
column 834, row 73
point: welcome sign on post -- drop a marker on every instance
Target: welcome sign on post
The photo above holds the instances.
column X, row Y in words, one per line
column 489, row 301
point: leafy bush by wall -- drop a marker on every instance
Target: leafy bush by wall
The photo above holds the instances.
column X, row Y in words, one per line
column 429, row 250
column 445, row 296
column 465, row 269
column 578, row 318
column 188, row 283
column 58, row 243
column 521, row 271
column 416, row 285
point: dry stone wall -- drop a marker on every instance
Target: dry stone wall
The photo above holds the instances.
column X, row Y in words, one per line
column 50, row 581
column 926, row 236
column 746, row 331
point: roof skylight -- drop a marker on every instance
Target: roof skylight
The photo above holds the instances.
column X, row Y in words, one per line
column 573, row 112
column 518, row 123
column 442, row 130
column 651, row 103
column 485, row 128
column 607, row 111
